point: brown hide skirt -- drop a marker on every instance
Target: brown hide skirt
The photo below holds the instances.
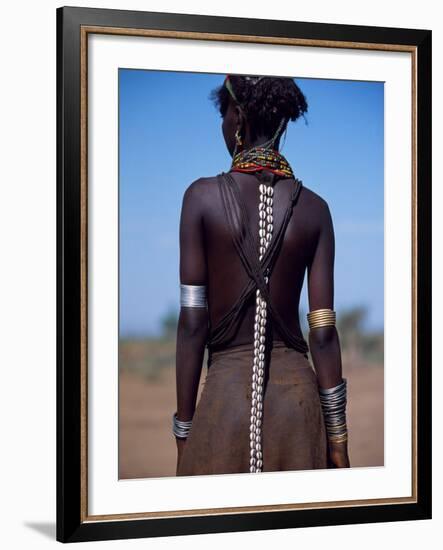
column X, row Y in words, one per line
column 293, row 430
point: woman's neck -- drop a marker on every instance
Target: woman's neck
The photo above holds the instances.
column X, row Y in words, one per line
column 258, row 141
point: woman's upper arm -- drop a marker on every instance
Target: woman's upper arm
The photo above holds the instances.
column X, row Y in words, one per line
column 321, row 269
column 192, row 250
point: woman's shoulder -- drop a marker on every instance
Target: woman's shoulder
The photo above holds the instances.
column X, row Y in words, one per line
column 312, row 200
column 200, row 188
column 201, row 183
column 200, row 196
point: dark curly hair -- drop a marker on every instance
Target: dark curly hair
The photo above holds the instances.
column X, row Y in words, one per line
column 265, row 101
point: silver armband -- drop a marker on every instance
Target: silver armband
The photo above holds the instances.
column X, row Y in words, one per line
column 193, row 296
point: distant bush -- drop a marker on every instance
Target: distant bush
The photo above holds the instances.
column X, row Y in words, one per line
column 357, row 340
column 169, row 324
column 147, row 357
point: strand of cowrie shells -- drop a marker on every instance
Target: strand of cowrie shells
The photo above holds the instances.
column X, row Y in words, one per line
column 266, row 226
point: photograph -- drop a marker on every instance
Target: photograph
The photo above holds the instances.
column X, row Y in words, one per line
column 251, row 273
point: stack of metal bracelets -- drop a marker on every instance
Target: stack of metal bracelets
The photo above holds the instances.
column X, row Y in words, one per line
column 190, row 296
column 180, row 428
column 333, row 400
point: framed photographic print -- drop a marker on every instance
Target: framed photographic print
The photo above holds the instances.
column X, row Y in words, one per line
column 243, row 274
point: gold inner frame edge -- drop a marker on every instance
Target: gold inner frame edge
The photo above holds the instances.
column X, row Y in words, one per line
column 85, row 30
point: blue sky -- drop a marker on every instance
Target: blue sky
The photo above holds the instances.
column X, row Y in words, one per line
column 170, row 135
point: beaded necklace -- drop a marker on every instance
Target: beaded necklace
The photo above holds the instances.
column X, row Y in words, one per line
column 261, row 158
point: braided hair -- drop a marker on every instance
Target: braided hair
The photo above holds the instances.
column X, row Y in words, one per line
column 265, row 101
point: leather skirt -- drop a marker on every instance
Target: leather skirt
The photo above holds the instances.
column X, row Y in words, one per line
column 293, row 429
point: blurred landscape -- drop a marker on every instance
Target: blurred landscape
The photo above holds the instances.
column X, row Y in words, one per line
column 147, row 395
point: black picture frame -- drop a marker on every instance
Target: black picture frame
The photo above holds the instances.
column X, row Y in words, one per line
column 73, row 524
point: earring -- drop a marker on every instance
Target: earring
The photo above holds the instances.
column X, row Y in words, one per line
column 238, row 137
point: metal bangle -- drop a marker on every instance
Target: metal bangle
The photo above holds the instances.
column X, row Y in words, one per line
column 340, row 439
column 327, row 391
column 321, row 317
column 193, row 295
column 333, row 402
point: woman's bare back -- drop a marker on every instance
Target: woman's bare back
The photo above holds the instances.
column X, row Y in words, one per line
column 225, row 275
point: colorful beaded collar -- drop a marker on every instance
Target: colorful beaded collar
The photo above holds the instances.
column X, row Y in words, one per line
column 261, row 158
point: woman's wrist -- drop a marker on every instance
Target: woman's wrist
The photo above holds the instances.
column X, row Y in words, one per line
column 333, row 401
column 180, row 428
